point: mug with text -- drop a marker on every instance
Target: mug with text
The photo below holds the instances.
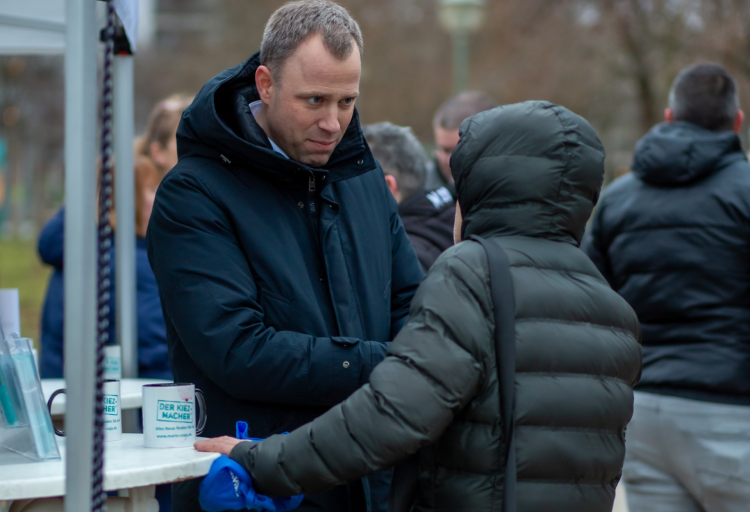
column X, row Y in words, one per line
column 112, row 362
column 112, row 411
column 170, row 417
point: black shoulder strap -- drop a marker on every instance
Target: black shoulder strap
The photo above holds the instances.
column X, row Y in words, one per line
column 503, row 300
column 406, row 474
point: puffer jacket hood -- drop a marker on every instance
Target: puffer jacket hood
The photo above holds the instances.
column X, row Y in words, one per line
column 678, row 153
column 219, row 124
column 503, row 164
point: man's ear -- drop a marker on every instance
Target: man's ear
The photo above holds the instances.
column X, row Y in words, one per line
column 738, row 120
column 392, row 185
column 265, row 83
column 668, row 115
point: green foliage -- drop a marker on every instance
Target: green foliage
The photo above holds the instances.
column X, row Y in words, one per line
column 21, row 268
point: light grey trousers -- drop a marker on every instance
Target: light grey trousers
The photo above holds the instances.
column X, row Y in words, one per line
column 687, row 456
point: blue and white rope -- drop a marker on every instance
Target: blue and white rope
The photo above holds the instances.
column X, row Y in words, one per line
column 98, row 497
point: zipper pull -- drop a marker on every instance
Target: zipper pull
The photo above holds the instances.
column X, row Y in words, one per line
column 311, row 182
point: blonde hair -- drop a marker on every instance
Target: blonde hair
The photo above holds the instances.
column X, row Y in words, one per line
column 162, row 125
column 160, row 128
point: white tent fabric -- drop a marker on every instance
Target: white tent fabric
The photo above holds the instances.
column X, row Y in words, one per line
column 32, row 27
column 38, row 26
column 128, row 12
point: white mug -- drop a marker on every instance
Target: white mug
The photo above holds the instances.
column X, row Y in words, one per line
column 170, row 418
column 112, row 362
column 112, row 410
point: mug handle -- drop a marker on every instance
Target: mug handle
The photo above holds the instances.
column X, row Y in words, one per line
column 60, row 433
column 201, row 420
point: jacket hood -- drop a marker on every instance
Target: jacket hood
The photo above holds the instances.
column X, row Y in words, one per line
column 219, row 125
column 529, row 169
column 679, row 152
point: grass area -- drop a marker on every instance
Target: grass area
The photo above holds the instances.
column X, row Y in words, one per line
column 20, row 267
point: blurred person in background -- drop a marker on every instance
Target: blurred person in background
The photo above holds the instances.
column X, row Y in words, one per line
column 156, row 153
column 445, row 125
column 283, row 266
column 673, row 238
column 427, row 215
column 620, row 171
column 159, row 144
column 437, row 394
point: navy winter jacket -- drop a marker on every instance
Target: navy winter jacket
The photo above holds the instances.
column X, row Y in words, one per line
column 673, row 239
column 50, row 247
column 282, row 284
column 153, row 361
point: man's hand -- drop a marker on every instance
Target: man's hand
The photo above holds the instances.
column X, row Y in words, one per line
column 223, row 444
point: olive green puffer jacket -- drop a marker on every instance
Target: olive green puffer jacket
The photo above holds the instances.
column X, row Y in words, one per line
column 528, row 176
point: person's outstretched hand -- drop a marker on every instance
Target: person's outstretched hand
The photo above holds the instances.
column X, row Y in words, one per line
column 223, row 444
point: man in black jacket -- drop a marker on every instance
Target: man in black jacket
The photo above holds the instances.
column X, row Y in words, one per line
column 427, row 215
column 673, row 238
column 283, row 267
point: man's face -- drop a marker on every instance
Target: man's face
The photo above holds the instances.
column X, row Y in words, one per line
column 309, row 110
column 445, row 142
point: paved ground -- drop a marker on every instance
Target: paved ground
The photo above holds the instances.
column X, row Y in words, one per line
column 620, row 504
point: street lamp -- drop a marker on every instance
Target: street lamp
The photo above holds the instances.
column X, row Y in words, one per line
column 461, row 18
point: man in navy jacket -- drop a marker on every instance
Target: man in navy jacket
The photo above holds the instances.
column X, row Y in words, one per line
column 283, row 267
column 673, row 238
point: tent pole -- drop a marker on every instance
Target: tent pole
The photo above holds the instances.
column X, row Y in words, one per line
column 127, row 327
column 80, row 248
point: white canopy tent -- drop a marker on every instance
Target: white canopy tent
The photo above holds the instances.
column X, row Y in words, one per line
column 54, row 27
column 32, row 27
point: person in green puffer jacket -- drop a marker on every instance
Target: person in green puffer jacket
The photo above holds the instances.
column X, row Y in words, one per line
column 528, row 176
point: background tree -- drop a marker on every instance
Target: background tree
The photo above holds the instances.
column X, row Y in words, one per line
column 611, row 61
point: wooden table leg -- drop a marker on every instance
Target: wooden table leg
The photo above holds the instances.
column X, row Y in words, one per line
column 140, row 499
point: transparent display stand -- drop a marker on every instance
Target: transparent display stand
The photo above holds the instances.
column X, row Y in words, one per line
column 25, row 423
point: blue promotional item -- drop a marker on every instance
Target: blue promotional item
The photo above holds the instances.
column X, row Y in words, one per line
column 242, row 428
column 229, row 487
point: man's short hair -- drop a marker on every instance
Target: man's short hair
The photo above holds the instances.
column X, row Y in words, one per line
column 400, row 153
column 705, row 94
column 294, row 22
column 453, row 112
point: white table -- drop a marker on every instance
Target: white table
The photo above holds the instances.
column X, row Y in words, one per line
column 131, row 393
column 127, row 465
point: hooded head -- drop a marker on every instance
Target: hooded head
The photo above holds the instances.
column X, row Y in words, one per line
column 530, row 169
